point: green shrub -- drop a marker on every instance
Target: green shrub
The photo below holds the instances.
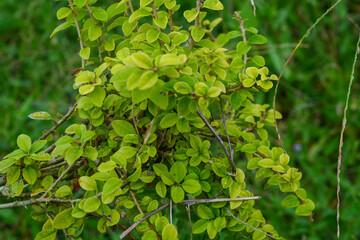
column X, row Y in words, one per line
column 165, row 114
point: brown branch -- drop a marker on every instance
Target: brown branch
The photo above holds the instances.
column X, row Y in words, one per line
column 227, row 132
column 189, row 216
column 78, row 31
column 243, row 31
column 218, row 138
column 59, row 179
column 232, row 215
column 61, row 121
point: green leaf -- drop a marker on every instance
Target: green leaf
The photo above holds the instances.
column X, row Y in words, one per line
column 190, row 15
column 87, row 183
column 182, row 87
column 111, row 185
column 242, row 48
column 178, row 170
column 46, row 234
column 142, row 60
column 13, row 175
column 85, row 53
column 140, row 13
column 169, row 120
column 30, row 174
column 135, row 176
column 213, row 92
column 40, row 116
column 91, row 204
column 152, row 35
column 161, row 189
column 24, row 142
column 284, row 159
column 63, row 191
column 197, row 33
column 290, row 201
column 248, row 148
column 252, row 72
column 211, row 230
column 63, row 13
column 148, row 79
column 123, row 128
column 61, row 27
column 162, row 20
column 128, row 27
column 200, row 226
column 94, row 32
column 191, row 186
column 100, row 14
column 169, row 60
column 306, row 208
column 258, row 60
column 204, row 212
column 257, row 39
column 266, row 163
column 213, row 5
column 97, row 96
column 177, row 194
column 167, row 178
column 73, row 153
column 149, row 235
column 85, row 89
column 106, row 166
column 169, row 232
column 64, row 219
column 36, row 146
column 80, row 3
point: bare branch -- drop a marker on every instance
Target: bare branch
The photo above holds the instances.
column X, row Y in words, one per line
column 218, row 138
column 61, row 121
column 78, row 31
column 189, row 216
column 243, row 31
column 249, row 225
column 171, row 205
column 226, row 130
column 59, row 179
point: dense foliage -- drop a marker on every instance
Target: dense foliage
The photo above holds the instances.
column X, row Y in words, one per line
column 166, row 113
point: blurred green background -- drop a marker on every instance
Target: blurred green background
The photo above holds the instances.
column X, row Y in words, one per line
column 35, row 75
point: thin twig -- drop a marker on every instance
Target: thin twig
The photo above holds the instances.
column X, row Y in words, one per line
column 78, row 31
column 232, row 215
column 171, row 205
column 189, row 216
column 61, row 121
column 40, row 200
column 218, row 138
column 127, row 231
column 186, row 202
column 342, row 138
column 288, row 61
column 226, row 130
column 59, row 179
column 243, row 31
